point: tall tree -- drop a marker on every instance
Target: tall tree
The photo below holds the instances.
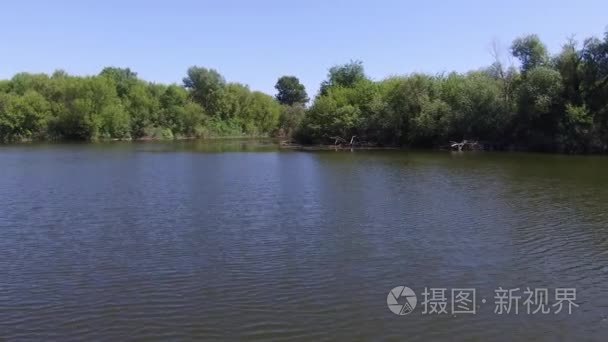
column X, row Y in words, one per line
column 530, row 51
column 207, row 88
column 290, row 91
column 346, row 75
column 568, row 63
column 124, row 78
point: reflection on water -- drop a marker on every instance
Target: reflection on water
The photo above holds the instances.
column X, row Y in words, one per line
column 184, row 240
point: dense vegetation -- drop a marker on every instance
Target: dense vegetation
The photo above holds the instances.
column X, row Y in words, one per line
column 117, row 105
column 551, row 103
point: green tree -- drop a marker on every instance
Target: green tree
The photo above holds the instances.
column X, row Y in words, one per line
column 5, row 86
column 115, row 121
column 318, row 122
column 187, row 120
column 22, row 117
column 531, row 52
column 172, row 101
column 290, row 120
column 594, row 84
column 477, row 106
column 9, row 119
column 576, row 129
column 540, row 109
column 290, row 91
column 124, row 78
column 83, row 107
column 406, row 98
column 261, row 114
column 234, row 102
column 144, row 109
column 428, row 126
column 207, row 88
column 346, row 75
column 569, row 64
column 23, row 82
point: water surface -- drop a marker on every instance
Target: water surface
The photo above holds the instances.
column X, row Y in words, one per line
column 241, row 241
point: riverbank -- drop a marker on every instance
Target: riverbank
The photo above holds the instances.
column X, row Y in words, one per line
column 141, row 139
column 268, row 140
column 446, row 147
column 321, row 147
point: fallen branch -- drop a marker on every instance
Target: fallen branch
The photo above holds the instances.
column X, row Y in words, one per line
column 466, row 145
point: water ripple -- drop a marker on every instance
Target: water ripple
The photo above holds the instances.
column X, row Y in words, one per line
column 160, row 243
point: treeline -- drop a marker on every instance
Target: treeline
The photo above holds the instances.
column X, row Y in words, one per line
column 549, row 103
column 117, row 105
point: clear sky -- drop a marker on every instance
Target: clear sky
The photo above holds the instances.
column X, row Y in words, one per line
column 254, row 42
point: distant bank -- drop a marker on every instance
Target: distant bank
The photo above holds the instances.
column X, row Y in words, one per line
column 550, row 103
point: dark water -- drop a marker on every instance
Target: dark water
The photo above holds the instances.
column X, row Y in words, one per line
column 239, row 241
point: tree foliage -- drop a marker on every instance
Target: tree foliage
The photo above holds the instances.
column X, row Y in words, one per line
column 116, row 104
column 207, row 88
column 346, row 75
column 531, row 52
column 290, row 91
column 557, row 103
column 551, row 103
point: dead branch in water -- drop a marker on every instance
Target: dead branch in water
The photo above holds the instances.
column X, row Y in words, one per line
column 339, row 140
column 466, row 145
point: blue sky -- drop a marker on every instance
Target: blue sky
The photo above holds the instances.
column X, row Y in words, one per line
column 255, row 42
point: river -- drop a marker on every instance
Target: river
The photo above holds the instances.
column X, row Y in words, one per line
column 238, row 240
